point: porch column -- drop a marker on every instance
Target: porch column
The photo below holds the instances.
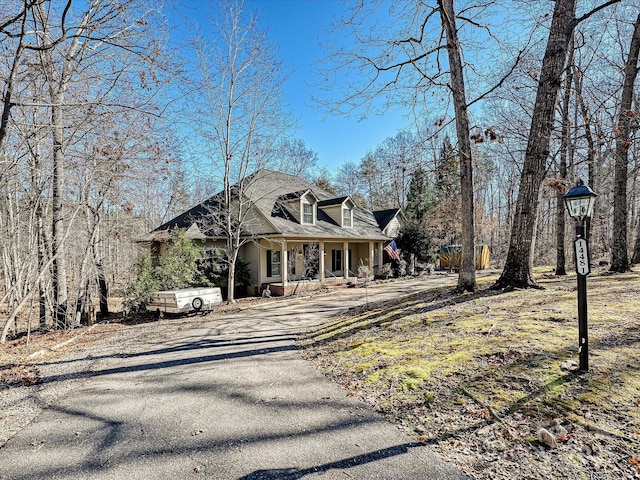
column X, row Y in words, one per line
column 284, row 270
column 345, row 256
column 380, row 259
column 262, row 254
column 321, row 266
column 372, row 250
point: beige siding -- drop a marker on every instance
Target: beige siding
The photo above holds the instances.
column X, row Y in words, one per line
column 360, row 252
column 393, row 228
column 335, row 212
column 295, row 207
column 256, row 223
column 264, row 246
column 251, row 253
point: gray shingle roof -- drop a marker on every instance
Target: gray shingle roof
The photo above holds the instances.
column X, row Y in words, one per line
column 271, row 194
column 383, row 217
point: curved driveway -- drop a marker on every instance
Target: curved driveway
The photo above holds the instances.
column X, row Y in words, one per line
column 223, row 398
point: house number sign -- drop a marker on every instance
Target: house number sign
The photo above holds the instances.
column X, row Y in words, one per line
column 582, row 257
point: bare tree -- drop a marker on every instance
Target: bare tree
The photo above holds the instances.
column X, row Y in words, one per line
column 349, row 180
column 292, row 156
column 80, row 66
column 562, row 167
column 619, row 251
column 518, row 269
column 239, row 98
column 467, row 276
column 404, row 60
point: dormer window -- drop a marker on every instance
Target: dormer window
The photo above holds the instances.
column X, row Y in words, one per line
column 347, row 216
column 307, row 214
column 339, row 209
column 301, row 205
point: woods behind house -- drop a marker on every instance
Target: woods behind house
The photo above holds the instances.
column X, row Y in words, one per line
column 109, row 127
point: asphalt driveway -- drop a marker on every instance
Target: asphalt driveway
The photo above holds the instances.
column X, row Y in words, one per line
column 229, row 398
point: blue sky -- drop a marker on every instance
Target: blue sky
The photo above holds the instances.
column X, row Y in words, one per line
column 296, row 28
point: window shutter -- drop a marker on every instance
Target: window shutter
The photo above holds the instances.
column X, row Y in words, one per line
column 269, row 263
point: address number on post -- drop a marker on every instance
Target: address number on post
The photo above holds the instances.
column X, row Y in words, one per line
column 582, row 257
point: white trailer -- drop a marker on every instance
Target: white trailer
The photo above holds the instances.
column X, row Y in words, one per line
column 185, row 300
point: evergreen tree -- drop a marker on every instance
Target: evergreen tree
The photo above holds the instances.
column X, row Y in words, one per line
column 420, row 198
column 443, row 220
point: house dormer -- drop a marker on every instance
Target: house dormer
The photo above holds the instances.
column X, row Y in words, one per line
column 340, row 210
column 308, row 208
column 303, row 205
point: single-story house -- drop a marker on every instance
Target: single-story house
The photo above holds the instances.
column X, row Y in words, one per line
column 298, row 232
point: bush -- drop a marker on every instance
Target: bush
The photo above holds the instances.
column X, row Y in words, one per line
column 400, row 268
column 177, row 268
column 138, row 294
column 385, row 271
column 215, row 269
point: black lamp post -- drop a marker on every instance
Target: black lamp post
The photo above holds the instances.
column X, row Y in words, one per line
column 579, row 201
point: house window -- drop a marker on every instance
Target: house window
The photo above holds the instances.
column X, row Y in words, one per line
column 307, row 213
column 346, row 217
column 336, row 260
column 273, row 263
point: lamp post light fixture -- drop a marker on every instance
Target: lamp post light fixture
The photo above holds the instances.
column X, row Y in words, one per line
column 580, row 201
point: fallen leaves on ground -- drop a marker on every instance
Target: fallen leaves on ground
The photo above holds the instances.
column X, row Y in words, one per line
column 490, row 377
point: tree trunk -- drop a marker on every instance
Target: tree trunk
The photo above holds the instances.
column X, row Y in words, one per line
column 518, row 269
column 42, row 255
column 635, row 258
column 619, row 250
column 11, row 80
column 591, row 161
column 467, row 274
column 562, row 169
column 104, row 291
column 59, row 272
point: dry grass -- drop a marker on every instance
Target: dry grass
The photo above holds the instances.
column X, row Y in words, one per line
column 479, row 374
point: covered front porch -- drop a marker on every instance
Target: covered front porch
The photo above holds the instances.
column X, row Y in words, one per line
column 289, row 267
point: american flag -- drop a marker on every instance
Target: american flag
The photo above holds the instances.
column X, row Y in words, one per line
column 392, row 250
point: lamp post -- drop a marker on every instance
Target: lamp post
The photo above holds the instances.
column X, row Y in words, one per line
column 579, row 201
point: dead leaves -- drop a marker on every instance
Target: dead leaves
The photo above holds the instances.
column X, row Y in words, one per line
column 486, row 415
column 19, row 376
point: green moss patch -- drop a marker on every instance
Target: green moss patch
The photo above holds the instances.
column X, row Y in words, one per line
column 448, row 365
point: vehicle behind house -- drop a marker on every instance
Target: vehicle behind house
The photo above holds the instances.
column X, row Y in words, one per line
column 185, row 300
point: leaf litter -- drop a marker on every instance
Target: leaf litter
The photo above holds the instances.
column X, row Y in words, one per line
column 490, row 378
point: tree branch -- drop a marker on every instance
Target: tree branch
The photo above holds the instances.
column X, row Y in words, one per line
column 595, row 10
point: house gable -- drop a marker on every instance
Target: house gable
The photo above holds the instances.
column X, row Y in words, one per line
column 390, row 221
column 301, row 205
column 340, row 210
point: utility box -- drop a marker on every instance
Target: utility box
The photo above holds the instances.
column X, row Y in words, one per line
column 185, row 300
